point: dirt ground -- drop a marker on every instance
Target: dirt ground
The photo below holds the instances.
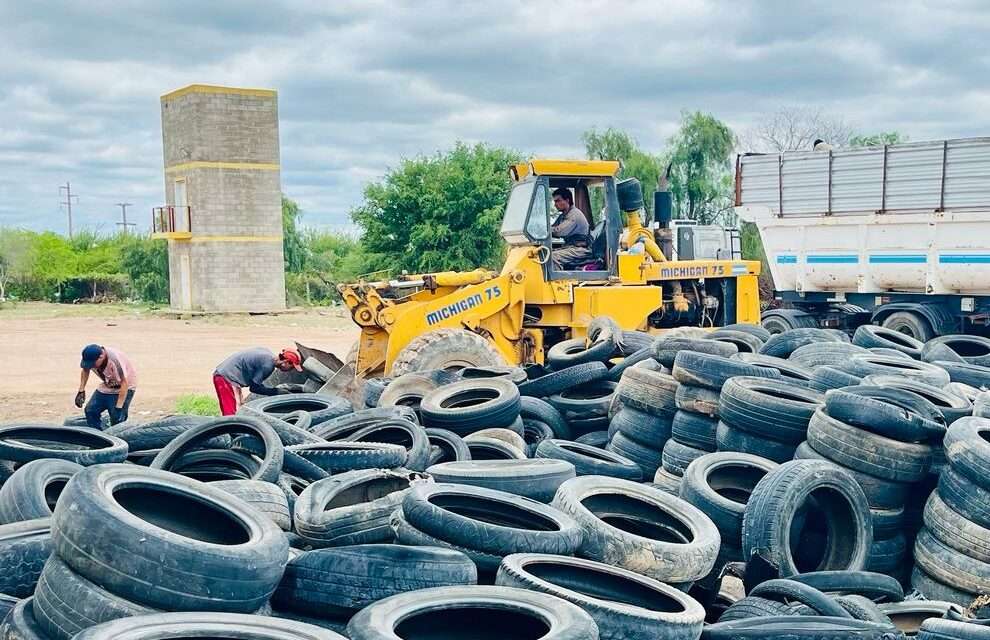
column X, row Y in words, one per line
column 173, row 356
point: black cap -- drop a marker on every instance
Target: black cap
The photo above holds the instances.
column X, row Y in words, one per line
column 90, row 354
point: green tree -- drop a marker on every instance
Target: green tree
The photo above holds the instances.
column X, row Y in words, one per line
column 701, row 160
column 878, row 139
column 293, row 249
column 15, row 258
column 613, row 144
column 145, row 262
column 439, row 212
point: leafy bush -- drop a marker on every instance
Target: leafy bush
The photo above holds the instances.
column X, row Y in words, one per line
column 197, row 404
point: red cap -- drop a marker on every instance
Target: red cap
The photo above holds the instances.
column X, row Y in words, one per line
column 292, row 357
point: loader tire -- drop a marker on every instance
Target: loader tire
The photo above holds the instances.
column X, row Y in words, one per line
column 444, row 349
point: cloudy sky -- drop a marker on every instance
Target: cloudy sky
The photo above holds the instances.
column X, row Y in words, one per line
column 363, row 84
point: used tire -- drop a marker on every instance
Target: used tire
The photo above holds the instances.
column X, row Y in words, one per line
column 167, row 541
column 65, row 603
column 864, row 583
column 769, row 408
column 478, row 613
column 537, row 479
column 451, row 445
column 865, row 365
column 696, row 399
column 649, row 459
column 568, row 353
column 557, row 381
column 20, row 623
column 537, row 409
column 667, row 348
column 192, row 625
column 589, row 400
column 490, row 521
column 82, row 445
column 744, row 342
column 712, row 372
column 266, row 497
column 951, row 406
column 411, row 437
column 893, row 413
column 641, row 529
column 271, row 461
column 156, row 433
column 908, row 616
column 887, row 555
column 24, row 548
column 774, row 504
column 340, row 582
column 932, row 589
column 972, row 349
column 486, row 448
column 949, row 566
column 590, row 461
column 720, row 485
column 346, row 425
column 595, row 439
column 792, row 626
column 352, row 508
column 792, row 591
column 676, row 457
column 789, row 370
column 868, row 452
column 337, row 457
column 828, row 377
column 645, row 428
column 320, row 407
column 828, row 353
column 880, row 493
column 967, row 447
column 694, row 430
column 868, row 335
column 784, row 344
column 32, row 490
column 954, row 530
column 464, row 407
column 624, row 604
column 729, row 439
column 652, row 392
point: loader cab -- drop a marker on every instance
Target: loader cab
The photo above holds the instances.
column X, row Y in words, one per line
column 529, row 213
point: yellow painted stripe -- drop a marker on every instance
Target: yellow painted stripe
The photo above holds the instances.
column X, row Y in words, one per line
column 212, row 88
column 235, row 239
column 201, row 164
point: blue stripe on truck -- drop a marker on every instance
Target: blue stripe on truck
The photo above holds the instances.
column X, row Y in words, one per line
column 899, row 258
column 833, row 259
column 787, row 259
column 964, row 258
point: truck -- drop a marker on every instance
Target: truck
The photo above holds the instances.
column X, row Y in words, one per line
column 895, row 235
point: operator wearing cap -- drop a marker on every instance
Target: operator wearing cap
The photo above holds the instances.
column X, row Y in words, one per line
column 250, row 368
column 114, row 395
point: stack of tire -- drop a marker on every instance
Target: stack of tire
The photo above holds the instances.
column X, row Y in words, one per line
column 641, row 428
column 133, row 541
column 880, row 435
column 952, row 550
column 719, row 485
column 694, row 424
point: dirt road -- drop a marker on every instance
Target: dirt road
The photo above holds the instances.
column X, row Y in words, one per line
column 173, row 356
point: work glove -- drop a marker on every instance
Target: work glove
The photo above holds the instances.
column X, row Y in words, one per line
column 117, row 415
column 80, row 399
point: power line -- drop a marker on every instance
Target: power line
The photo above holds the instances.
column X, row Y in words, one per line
column 123, row 215
column 67, row 203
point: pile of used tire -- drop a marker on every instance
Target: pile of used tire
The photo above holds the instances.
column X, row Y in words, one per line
column 719, row 484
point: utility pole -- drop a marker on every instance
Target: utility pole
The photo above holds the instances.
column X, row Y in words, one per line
column 67, row 189
column 123, row 215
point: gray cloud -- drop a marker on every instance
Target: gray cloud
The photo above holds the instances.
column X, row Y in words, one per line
column 364, row 84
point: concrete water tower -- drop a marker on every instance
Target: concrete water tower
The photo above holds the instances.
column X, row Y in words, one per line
column 223, row 195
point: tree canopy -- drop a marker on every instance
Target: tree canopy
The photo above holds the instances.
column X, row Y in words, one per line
column 438, row 212
column 701, row 161
column 612, row 144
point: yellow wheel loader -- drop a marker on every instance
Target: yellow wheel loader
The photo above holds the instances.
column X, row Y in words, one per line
column 646, row 279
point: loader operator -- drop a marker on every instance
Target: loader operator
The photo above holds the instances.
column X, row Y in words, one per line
column 572, row 227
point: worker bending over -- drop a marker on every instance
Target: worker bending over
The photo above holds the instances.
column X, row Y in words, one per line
column 116, row 390
column 250, row 368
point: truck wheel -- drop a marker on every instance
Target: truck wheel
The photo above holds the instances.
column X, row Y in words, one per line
column 910, row 324
column 445, row 349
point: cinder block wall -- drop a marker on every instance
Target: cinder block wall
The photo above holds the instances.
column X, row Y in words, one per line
column 222, row 144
